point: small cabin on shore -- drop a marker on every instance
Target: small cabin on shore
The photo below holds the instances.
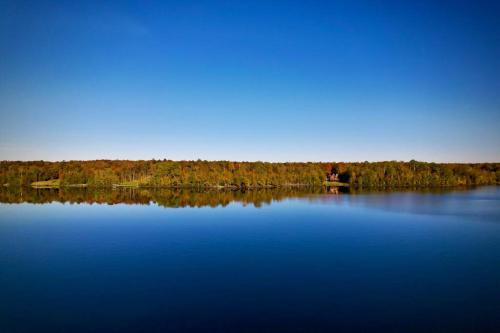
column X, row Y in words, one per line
column 333, row 177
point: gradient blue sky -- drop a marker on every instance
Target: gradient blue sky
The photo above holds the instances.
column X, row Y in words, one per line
column 269, row 80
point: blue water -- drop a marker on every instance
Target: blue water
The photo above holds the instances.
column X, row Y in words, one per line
column 391, row 262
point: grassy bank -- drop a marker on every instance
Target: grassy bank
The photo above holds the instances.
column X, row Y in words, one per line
column 335, row 184
column 47, row 183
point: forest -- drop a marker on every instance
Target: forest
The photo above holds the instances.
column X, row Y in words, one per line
column 206, row 174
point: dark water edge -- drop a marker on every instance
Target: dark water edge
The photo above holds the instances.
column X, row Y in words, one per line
column 195, row 197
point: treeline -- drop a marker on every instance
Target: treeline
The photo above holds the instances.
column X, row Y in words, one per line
column 167, row 173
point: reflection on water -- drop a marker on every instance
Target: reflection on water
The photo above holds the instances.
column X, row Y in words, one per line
column 480, row 203
column 310, row 260
column 167, row 197
column 160, row 196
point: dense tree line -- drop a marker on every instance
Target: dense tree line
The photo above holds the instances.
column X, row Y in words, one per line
column 167, row 173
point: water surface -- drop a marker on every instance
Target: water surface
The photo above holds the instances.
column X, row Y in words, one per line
column 259, row 261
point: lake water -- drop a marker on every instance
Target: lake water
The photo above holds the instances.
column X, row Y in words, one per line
column 260, row 261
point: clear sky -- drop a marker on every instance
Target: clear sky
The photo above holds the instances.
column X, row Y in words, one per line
column 255, row 80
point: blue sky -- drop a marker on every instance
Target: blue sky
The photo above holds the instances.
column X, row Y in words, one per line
column 256, row 80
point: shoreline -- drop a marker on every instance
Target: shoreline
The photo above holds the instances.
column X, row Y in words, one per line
column 239, row 188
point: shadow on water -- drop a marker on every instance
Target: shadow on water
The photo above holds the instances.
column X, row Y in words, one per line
column 185, row 197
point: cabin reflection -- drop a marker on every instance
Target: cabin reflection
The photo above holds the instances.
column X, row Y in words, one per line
column 333, row 190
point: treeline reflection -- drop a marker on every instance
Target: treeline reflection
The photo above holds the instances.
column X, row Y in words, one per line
column 177, row 197
column 162, row 197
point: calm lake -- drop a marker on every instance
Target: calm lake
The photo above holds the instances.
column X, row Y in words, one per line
column 261, row 261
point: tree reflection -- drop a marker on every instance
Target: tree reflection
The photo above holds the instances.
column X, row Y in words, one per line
column 181, row 197
column 162, row 197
